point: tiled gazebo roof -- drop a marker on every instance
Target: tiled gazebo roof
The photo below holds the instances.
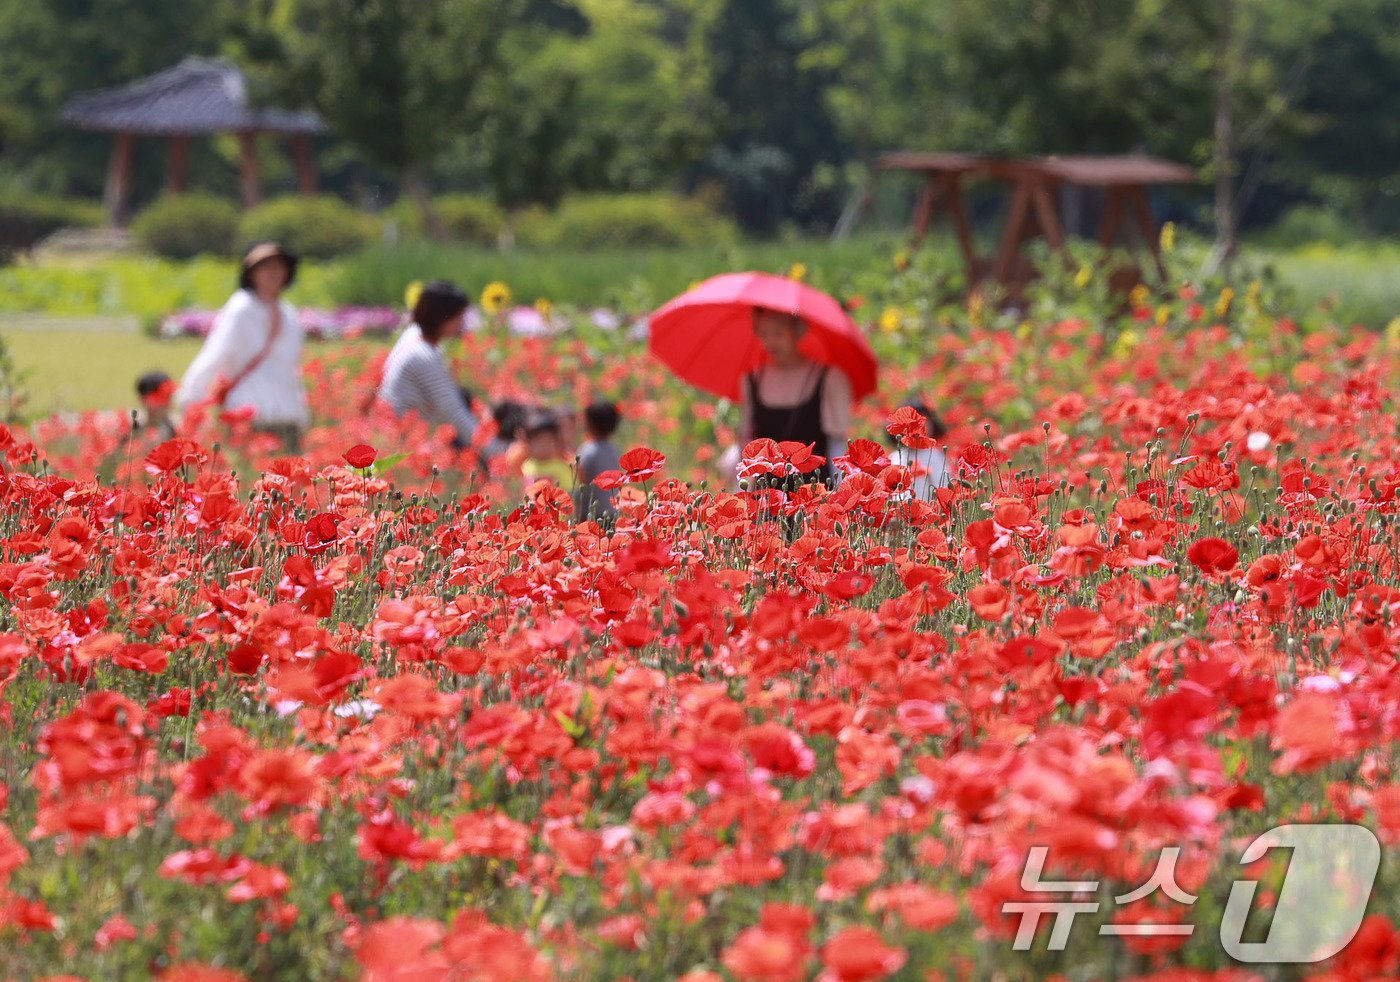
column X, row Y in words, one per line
column 197, row 96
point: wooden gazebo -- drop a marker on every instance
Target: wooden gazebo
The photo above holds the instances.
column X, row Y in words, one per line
column 198, row 97
column 1034, row 209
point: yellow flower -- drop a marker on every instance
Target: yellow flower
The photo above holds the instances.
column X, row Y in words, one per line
column 544, row 307
column 411, row 295
column 1127, row 341
column 1139, row 296
column 1023, row 333
column 1227, row 297
column 797, row 271
column 495, row 298
column 974, row 309
column 1164, row 314
column 1392, row 333
column 1251, row 296
column 1168, row 236
column 891, row 320
column 901, row 261
column 1082, row 278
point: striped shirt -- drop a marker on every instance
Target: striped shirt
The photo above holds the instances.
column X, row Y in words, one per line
column 417, row 380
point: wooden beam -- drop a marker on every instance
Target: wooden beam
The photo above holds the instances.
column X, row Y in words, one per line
column 1112, row 216
column 118, row 188
column 248, row 168
column 177, row 174
column 924, row 211
column 1047, row 215
column 962, row 226
column 1138, row 198
column 307, row 182
column 1015, row 232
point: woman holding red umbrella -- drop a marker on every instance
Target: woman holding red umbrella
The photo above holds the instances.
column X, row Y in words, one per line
column 788, row 353
column 792, row 397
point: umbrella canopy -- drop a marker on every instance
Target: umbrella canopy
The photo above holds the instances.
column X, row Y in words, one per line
column 706, row 334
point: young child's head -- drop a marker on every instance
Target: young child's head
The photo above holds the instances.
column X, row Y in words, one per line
column 935, row 427
column 543, row 436
column 155, row 390
column 510, row 419
column 601, row 420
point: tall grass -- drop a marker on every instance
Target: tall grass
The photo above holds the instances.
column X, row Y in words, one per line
column 627, row 279
column 1356, row 284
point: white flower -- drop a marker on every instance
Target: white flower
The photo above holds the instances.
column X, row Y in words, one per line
column 1258, row 440
column 363, row 708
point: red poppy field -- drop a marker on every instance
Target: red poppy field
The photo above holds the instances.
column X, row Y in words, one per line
column 285, row 718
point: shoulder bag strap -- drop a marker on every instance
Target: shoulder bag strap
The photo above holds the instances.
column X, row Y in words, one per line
column 259, row 358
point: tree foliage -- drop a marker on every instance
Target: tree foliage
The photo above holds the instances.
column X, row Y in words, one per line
column 781, row 104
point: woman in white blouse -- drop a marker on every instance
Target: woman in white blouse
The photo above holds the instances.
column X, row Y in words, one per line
column 416, row 377
column 252, row 357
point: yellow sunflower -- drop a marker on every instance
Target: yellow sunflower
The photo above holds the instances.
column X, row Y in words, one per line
column 891, row 320
column 495, row 298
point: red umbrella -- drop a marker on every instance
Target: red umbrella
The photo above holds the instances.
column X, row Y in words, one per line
column 706, row 334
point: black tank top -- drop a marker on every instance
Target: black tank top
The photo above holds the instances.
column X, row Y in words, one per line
column 802, row 423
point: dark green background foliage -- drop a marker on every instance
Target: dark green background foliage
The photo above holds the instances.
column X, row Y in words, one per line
column 772, row 109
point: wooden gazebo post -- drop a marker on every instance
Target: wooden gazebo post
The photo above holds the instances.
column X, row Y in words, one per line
column 305, row 161
column 118, row 187
column 248, row 168
column 177, row 174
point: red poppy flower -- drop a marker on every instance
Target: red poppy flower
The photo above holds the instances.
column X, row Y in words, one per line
column 910, row 427
column 360, row 456
column 161, row 396
column 1212, row 555
column 642, row 464
column 859, row 954
column 173, row 454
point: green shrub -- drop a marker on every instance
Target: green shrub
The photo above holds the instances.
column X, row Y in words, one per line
column 188, row 225
column 1306, row 225
column 600, row 221
column 319, row 228
column 469, row 219
column 26, row 220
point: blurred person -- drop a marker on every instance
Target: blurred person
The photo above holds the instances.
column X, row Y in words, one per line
column 508, row 443
column 544, row 451
column 155, row 391
column 252, row 357
column 794, row 398
column 929, row 464
column 416, row 376
column 597, row 454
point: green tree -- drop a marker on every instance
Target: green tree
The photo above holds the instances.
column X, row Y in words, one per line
column 396, row 79
column 55, row 49
column 779, row 150
column 614, row 100
column 1349, row 100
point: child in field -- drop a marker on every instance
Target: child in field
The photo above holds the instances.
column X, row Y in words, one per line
column 544, row 452
column 598, row 454
column 930, row 465
column 155, row 390
column 508, row 443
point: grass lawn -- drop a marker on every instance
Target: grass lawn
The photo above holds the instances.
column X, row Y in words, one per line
column 1357, row 283
column 66, row 367
column 87, row 351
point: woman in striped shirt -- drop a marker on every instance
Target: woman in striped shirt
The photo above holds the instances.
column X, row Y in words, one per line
column 416, row 376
